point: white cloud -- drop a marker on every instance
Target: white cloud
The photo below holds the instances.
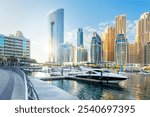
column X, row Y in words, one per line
column 131, row 30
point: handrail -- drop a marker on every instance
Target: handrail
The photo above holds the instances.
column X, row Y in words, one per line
column 30, row 93
column 34, row 94
column 22, row 75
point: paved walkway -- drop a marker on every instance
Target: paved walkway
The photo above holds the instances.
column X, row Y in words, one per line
column 7, row 84
column 11, row 85
column 12, row 88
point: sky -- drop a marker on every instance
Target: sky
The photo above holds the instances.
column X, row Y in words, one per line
column 30, row 17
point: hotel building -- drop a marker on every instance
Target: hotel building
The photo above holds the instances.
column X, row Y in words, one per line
column 14, row 45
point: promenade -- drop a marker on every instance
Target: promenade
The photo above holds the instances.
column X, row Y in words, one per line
column 13, row 87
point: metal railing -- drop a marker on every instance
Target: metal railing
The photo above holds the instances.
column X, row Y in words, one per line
column 30, row 93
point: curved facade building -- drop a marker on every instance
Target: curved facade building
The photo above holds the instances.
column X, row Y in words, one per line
column 121, row 49
column 96, row 49
column 55, row 33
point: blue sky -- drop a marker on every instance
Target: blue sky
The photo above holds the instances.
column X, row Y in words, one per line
column 29, row 16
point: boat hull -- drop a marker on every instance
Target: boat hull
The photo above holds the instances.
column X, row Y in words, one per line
column 105, row 79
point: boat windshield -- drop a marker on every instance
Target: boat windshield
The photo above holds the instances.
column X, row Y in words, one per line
column 106, row 71
column 90, row 72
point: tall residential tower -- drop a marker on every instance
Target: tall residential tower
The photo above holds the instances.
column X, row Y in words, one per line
column 108, row 43
column 142, row 35
column 121, row 50
column 121, row 24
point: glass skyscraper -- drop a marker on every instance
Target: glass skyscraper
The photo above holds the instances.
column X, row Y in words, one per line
column 67, row 54
column 56, row 34
column 82, row 54
column 79, row 37
column 121, row 49
column 96, row 49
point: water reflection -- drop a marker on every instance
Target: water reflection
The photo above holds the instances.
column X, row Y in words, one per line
column 136, row 87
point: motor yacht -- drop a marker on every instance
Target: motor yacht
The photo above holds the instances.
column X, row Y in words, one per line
column 103, row 76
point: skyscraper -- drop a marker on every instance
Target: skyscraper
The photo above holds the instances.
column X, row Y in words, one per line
column 121, row 24
column 142, row 34
column 56, row 33
column 121, row 50
column 79, row 37
column 147, row 53
column 108, row 43
column 67, row 54
column 132, row 53
column 82, row 54
column 96, row 48
column 81, row 51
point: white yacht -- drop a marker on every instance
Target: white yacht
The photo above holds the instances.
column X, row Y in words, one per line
column 103, row 76
column 74, row 72
column 143, row 72
column 54, row 72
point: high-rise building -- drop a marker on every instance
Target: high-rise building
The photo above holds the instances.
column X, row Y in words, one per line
column 96, row 48
column 132, row 53
column 121, row 25
column 14, row 45
column 108, row 43
column 142, row 34
column 147, row 54
column 82, row 54
column 121, row 50
column 56, row 34
column 79, row 37
column 67, row 54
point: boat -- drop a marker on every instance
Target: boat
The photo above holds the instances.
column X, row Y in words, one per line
column 103, row 76
column 74, row 72
column 54, row 72
column 143, row 72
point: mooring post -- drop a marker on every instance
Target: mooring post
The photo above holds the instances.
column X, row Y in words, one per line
column 62, row 71
column 101, row 74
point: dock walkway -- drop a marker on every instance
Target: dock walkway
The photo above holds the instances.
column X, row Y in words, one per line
column 47, row 91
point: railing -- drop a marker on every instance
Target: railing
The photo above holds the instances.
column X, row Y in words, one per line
column 30, row 93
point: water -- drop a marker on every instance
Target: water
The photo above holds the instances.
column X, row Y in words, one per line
column 136, row 87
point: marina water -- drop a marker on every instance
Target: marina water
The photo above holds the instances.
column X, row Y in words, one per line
column 137, row 87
